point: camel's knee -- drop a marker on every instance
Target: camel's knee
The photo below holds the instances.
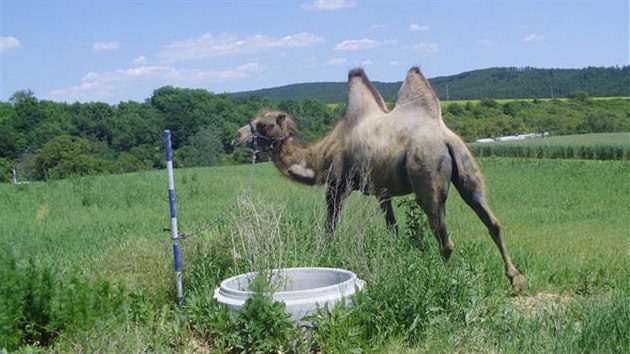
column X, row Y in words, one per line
column 495, row 229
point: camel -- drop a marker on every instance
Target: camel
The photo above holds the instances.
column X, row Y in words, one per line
column 384, row 153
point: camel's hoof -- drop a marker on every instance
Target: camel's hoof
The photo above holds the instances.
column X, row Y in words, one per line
column 446, row 253
column 519, row 284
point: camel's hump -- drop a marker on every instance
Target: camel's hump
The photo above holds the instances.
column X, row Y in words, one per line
column 363, row 98
column 356, row 72
column 417, row 93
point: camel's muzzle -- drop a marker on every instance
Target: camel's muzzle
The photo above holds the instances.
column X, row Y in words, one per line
column 243, row 137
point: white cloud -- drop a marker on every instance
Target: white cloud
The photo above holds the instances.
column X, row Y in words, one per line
column 418, row 28
column 141, row 60
column 365, row 63
column 329, row 4
column 426, row 49
column 337, row 61
column 358, row 44
column 395, row 63
column 7, row 43
column 209, row 45
column 109, row 85
column 102, row 46
column 533, row 37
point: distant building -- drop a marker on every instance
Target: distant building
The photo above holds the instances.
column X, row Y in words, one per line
column 513, row 137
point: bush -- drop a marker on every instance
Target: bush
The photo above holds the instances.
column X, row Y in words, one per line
column 37, row 305
column 66, row 156
column 5, row 170
column 261, row 326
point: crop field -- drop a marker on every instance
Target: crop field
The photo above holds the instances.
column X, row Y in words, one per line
column 86, row 266
column 601, row 146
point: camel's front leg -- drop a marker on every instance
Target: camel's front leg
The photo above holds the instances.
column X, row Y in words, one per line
column 336, row 193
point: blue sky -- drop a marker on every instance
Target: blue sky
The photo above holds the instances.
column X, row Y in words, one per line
column 114, row 51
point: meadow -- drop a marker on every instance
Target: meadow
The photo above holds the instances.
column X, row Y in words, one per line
column 87, row 267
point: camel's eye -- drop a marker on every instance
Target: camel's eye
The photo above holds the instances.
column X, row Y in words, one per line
column 264, row 128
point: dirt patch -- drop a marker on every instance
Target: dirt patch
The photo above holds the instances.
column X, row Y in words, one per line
column 194, row 345
column 531, row 306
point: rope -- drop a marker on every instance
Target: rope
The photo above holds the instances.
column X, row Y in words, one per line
column 215, row 221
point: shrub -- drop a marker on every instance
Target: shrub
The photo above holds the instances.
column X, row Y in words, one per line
column 261, row 326
column 36, row 305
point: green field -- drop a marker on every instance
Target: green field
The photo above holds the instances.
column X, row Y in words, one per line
column 89, row 257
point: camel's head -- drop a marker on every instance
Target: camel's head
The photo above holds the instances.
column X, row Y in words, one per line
column 267, row 130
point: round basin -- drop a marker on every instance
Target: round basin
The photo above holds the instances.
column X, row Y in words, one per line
column 302, row 290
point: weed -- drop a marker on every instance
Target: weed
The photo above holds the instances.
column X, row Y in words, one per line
column 37, row 305
column 260, row 326
column 416, row 223
column 585, row 282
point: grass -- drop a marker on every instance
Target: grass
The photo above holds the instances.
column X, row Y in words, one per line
column 566, row 223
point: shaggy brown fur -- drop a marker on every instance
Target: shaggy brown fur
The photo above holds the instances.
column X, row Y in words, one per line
column 407, row 150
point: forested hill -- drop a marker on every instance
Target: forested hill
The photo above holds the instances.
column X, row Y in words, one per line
column 494, row 83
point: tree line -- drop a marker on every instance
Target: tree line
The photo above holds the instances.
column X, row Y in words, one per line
column 502, row 83
column 44, row 139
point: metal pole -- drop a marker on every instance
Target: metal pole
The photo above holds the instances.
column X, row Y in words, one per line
column 171, row 202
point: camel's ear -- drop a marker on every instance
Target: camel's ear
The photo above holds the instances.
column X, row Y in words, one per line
column 281, row 118
column 416, row 93
column 363, row 97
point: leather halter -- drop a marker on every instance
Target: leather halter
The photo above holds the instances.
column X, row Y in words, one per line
column 265, row 142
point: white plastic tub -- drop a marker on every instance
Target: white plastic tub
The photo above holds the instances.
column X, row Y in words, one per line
column 301, row 289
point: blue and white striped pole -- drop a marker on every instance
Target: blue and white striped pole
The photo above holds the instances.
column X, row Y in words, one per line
column 171, row 202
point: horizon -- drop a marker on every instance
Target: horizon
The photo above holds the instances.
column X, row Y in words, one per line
column 325, row 82
column 113, row 51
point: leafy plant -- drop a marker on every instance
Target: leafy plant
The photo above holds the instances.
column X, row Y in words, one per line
column 36, row 305
column 261, row 325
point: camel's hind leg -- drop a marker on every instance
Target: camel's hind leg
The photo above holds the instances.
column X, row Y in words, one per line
column 468, row 181
column 431, row 189
column 433, row 203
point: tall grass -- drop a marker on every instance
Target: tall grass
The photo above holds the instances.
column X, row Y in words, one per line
column 565, row 222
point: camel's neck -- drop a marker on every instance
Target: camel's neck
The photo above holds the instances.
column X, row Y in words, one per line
column 308, row 164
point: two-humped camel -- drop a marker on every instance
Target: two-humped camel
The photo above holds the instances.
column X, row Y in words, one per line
column 407, row 150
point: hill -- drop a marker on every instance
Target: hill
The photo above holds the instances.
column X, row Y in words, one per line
column 497, row 83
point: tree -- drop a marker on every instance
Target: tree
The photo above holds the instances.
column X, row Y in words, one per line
column 204, row 149
column 5, row 170
column 184, row 111
column 135, row 124
column 65, row 156
column 91, row 120
column 579, row 95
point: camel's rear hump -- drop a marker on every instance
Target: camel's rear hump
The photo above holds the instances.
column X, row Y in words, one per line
column 416, row 94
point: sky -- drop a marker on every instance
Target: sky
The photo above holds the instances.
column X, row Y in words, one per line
column 112, row 51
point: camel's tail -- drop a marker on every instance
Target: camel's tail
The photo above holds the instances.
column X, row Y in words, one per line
column 466, row 175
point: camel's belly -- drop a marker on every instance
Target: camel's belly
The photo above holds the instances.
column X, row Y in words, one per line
column 382, row 151
column 381, row 171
